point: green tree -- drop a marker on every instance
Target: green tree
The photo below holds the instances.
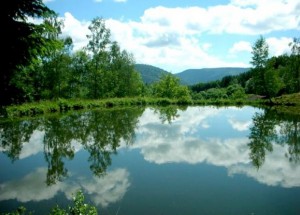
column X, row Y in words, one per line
column 169, row 87
column 262, row 133
column 79, row 74
column 56, row 67
column 235, row 91
column 24, row 41
column 99, row 40
column 265, row 78
column 295, row 65
column 43, row 77
column 260, row 52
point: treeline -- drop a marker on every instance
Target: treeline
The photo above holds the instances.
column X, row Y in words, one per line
column 40, row 64
column 269, row 76
column 99, row 70
column 49, row 68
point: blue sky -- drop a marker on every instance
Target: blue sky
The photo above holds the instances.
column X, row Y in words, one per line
column 182, row 34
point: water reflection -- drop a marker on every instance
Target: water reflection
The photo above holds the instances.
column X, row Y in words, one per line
column 241, row 140
column 270, row 128
column 228, row 154
column 98, row 132
column 105, row 190
column 236, row 138
column 168, row 113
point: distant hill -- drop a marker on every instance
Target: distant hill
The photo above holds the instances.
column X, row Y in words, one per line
column 149, row 73
column 194, row 76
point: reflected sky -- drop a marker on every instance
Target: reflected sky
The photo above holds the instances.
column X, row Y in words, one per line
column 209, row 144
column 217, row 136
column 105, row 190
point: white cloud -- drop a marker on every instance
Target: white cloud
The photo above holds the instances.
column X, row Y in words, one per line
column 111, row 188
column 32, row 187
column 276, row 171
column 34, row 146
column 241, row 46
column 173, row 38
column 240, row 125
column 178, row 143
column 76, row 29
column 279, row 46
column 98, row 1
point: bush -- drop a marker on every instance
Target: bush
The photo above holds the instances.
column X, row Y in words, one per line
column 78, row 208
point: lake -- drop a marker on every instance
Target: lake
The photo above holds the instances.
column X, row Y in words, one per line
column 166, row 160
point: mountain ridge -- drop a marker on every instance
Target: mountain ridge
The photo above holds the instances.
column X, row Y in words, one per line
column 152, row 74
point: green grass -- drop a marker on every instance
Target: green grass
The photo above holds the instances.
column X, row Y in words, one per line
column 65, row 105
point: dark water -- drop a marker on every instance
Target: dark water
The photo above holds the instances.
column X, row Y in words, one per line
column 195, row 160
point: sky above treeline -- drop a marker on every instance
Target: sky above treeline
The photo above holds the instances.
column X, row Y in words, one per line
column 183, row 34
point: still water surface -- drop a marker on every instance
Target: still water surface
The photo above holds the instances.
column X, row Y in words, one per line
column 193, row 160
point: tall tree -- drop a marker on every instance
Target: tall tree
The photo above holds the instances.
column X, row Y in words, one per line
column 260, row 52
column 99, row 39
column 295, row 64
column 24, row 40
column 77, row 86
column 265, row 78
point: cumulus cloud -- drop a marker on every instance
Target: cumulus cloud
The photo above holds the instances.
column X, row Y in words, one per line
column 32, row 187
column 76, row 29
column 279, row 46
column 163, row 35
column 34, row 146
column 241, row 46
column 276, row 171
column 111, row 188
column 240, row 125
column 181, row 142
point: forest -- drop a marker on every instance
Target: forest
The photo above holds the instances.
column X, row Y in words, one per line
column 40, row 64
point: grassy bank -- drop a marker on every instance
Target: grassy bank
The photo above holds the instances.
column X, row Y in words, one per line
column 288, row 103
column 64, row 105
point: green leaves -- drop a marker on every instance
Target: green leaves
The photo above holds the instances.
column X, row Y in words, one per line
column 169, row 87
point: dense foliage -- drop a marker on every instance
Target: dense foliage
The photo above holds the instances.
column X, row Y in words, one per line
column 40, row 64
column 100, row 70
column 269, row 77
column 24, row 41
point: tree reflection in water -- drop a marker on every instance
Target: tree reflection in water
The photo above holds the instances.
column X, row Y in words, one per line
column 169, row 113
column 99, row 132
column 271, row 127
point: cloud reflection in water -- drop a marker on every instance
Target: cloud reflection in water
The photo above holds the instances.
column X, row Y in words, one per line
column 181, row 142
column 32, row 187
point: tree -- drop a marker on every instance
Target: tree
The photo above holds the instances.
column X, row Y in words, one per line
column 79, row 73
column 24, row 41
column 260, row 52
column 112, row 72
column 169, row 87
column 99, row 39
column 265, row 78
column 56, row 67
column 295, row 64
